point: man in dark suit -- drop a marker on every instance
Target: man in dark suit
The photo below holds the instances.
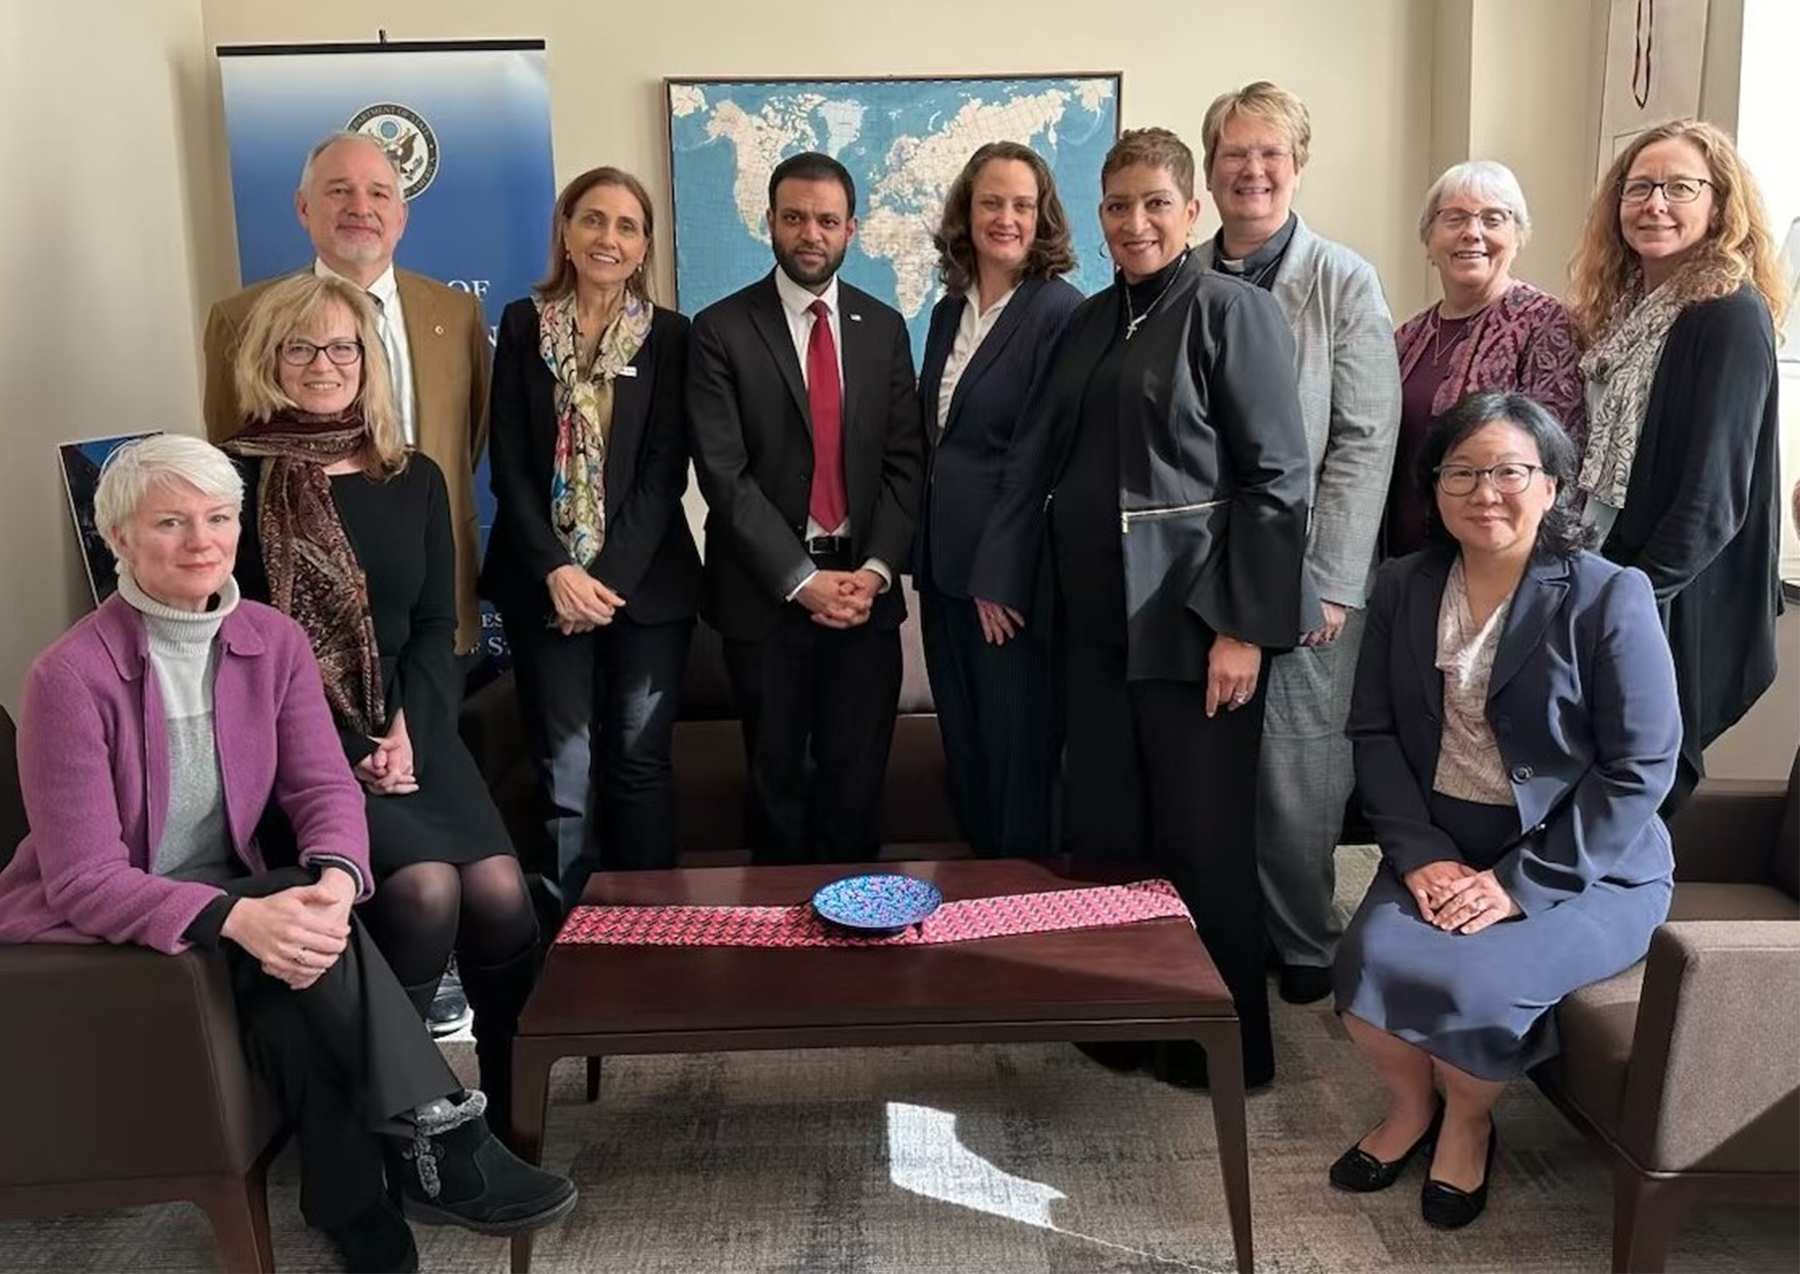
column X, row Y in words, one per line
column 808, row 449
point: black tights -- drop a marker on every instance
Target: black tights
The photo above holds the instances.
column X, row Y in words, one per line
column 481, row 910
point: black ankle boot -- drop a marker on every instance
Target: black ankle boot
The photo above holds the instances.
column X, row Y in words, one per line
column 498, row 992
column 459, row 1173
column 421, row 994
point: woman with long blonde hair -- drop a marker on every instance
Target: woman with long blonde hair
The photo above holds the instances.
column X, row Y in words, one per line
column 1677, row 294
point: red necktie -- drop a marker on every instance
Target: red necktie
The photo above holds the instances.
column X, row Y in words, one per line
column 829, row 506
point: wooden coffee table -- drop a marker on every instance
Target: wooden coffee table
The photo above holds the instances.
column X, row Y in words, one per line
column 1148, row 980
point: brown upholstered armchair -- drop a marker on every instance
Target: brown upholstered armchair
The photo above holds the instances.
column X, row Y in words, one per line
column 123, row 1082
column 1685, row 1068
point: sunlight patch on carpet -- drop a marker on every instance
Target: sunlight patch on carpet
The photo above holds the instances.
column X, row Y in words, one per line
column 926, row 1158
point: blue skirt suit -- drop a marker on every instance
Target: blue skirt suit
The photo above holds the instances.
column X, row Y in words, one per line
column 1583, row 710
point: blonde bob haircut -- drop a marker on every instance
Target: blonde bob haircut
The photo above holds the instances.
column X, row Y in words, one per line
column 1738, row 249
column 136, row 469
column 1265, row 101
column 282, row 311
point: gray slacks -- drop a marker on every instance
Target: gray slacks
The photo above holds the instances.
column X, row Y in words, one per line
column 1305, row 779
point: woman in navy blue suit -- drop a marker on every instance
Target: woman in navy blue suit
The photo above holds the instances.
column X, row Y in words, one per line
column 1515, row 727
column 1002, row 245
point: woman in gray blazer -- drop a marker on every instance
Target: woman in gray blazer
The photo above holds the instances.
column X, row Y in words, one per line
column 1515, row 727
column 1257, row 140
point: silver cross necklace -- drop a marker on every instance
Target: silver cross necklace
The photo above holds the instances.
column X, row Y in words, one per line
column 1133, row 320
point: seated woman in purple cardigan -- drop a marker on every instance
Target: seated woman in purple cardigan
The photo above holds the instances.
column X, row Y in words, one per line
column 154, row 735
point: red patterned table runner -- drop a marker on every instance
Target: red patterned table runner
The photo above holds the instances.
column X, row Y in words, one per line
column 800, row 926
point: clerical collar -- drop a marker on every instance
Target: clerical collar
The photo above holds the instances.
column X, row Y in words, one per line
column 1258, row 267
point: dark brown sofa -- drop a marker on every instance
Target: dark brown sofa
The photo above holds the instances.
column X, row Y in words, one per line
column 1686, row 1067
column 916, row 819
column 123, row 1082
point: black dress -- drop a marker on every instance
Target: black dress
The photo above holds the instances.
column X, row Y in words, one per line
column 400, row 532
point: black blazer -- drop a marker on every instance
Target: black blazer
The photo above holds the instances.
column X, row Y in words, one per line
column 752, row 439
column 1702, row 515
column 648, row 556
column 1214, row 472
column 965, row 467
column 1582, row 705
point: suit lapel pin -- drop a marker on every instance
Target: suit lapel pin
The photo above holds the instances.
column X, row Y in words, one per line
column 856, row 318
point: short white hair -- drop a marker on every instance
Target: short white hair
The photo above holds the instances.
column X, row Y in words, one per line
column 135, row 469
column 326, row 142
column 1485, row 179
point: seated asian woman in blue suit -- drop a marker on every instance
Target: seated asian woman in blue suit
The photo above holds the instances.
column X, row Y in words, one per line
column 1002, row 245
column 1515, row 727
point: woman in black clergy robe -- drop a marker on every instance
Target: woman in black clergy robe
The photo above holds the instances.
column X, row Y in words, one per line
column 1168, row 464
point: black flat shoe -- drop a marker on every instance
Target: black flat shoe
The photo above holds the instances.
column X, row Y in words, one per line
column 1360, row 1172
column 1304, row 983
column 1182, row 1064
column 1449, row 1208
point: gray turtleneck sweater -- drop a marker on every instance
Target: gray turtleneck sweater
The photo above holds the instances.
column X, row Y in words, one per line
column 195, row 843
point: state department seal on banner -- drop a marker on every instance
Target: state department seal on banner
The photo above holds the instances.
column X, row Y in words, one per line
column 406, row 137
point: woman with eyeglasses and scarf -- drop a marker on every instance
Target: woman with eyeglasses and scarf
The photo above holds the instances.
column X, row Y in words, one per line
column 1677, row 293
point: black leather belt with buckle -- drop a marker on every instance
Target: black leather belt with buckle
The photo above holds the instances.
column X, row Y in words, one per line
column 828, row 545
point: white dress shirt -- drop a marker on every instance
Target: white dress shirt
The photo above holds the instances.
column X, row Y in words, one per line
column 970, row 333
column 796, row 303
column 386, row 295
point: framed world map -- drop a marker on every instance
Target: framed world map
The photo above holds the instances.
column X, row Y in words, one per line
column 903, row 140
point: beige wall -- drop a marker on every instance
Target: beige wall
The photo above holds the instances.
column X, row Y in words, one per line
column 120, row 230
column 1363, row 68
column 103, row 160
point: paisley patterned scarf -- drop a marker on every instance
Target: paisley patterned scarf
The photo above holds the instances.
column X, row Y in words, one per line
column 1620, row 370
column 584, row 411
column 312, row 569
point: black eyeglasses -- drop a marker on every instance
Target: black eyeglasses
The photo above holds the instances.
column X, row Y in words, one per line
column 299, row 353
column 1508, row 479
column 1675, row 189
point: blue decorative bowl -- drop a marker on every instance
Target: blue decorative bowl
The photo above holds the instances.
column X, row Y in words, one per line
column 880, row 903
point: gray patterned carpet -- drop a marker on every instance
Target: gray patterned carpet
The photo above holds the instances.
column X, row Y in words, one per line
column 975, row 1161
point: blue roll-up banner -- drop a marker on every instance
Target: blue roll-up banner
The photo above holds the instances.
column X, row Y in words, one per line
column 468, row 123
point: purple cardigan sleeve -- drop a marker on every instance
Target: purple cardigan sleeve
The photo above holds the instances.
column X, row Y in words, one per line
column 65, row 773
column 313, row 783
